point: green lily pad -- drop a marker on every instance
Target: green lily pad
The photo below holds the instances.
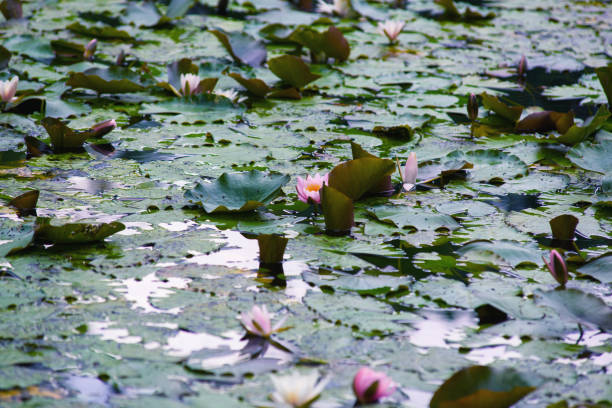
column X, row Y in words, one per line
column 592, row 156
column 64, row 139
column 238, row 192
column 74, row 233
column 576, row 134
column 144, row 14
column 111, row 80
column 599, row 268
column 483, row 387
column 199, row 108
column 255, row 86
column 581, row 307
column 178, row 8
column 243, row 48
column 292, row 70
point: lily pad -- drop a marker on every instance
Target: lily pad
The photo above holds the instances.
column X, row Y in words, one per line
column 581, row 307
column 74, row 233
column 356, row 177
column 592, row 156
column 237, row 192
column 599, row 268
column 243, row 48
column 292, row 70
column 111, row 80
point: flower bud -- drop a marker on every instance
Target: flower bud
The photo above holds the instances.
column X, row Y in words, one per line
column 11, row 9
column 472, row 107
column 557, row 267
column 120, row 58
column 370, row 386
column 90, row 49
column 522, row 67
column 8, row 89
column 102, row 128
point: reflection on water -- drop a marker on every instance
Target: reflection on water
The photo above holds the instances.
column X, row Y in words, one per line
column 590, row 338
column 440, row 327
column 132, row 228
column 92, row 186
column 487, row 355
column 140, row 290
column 89, row 389
column 240, row 252
column 118, row 335
column 417, row 398
column 184, row 343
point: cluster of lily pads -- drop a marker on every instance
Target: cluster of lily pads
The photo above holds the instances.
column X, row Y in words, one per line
column 190, row 93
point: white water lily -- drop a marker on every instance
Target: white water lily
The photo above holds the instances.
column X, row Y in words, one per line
column 230, row 94
column 339, row 7
column 297, row 390
column 411, row 169
column 391, row 29
column 190, row 84
column 8, row 89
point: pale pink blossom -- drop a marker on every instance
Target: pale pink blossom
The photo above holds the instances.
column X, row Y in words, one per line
column 190, row 84
column 411, row 169
column 90, row 49
column 340, row 7
column 391, row 29
column 8, row 89
column 370, row 386
column 309, row 189
column 297, row 390
column 258, row 322
column 557, row 267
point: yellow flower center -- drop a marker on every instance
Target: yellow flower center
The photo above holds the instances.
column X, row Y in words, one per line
column 313, row 187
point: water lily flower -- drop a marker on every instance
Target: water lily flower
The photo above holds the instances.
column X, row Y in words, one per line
column 231, row 94
column 8, row 89
column 391, row 29
column 472, row 107
column 296, row 390
column 190, row 84
column 257, row 322
column 90, row 49
column 102, row 128
column 339, row 7
column 370, row 386
column 308, row 189
column 557, row 267
column 411, row 169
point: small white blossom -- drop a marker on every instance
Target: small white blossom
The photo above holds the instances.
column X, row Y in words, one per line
column 339, row 7
column 391, row 29
column 190, row 84
column 296, row 390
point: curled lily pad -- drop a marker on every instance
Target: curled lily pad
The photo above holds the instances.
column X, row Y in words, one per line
column 385, row 186
column 330, row 43
column 74, row 233
column 26, row 202
column 563, row 227
column 255, row 86
column 110, row 80
column 575, row 134
column 238, row 192
column 292, row 70
column 337, row 210
column 356, row 177
column 243, row 48
column 65, row 139
column 546, row 121
column 509, row 112
column 605, row 77
column 483, row 387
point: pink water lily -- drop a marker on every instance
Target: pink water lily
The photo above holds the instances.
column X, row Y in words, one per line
column 309, row 189
column 557, row 267
column 190, row 84
column 391, row 29
column 90, row 49
column 8, row 89
column 409, row 174
column 258, row 322
column 370, row 386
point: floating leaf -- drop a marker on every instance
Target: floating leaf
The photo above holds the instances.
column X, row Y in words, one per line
column 563, row 227
column 107, row 151
column 105, row 32
column 599, row 268
column 356, row 177
column 243, row 48
column 255, row 86
column 512, row 113
column 25, row 202
column 337, row 210
column 605, row 78
column 292, row 70
column 592, row 156
column 33, row 47
column 578, row 306
column 483, row 387
column 144, row 14
column 420, row 219
column 331, row 43
column 110, row 80
column 238, row 192
column 199, row 108
column 577, row 134
column 14, row 239
column 178, row 8
column 74, row 233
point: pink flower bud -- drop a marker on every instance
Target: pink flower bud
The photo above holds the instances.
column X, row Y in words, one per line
column 11, row 9
column 309, row 189
column 411, row 169
column 257, row 322
column 370, row 386
column 472, row 107
column 90, row 49
column 8, row 89
column 522, row 67
column 102, row 128
column 557, row 267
